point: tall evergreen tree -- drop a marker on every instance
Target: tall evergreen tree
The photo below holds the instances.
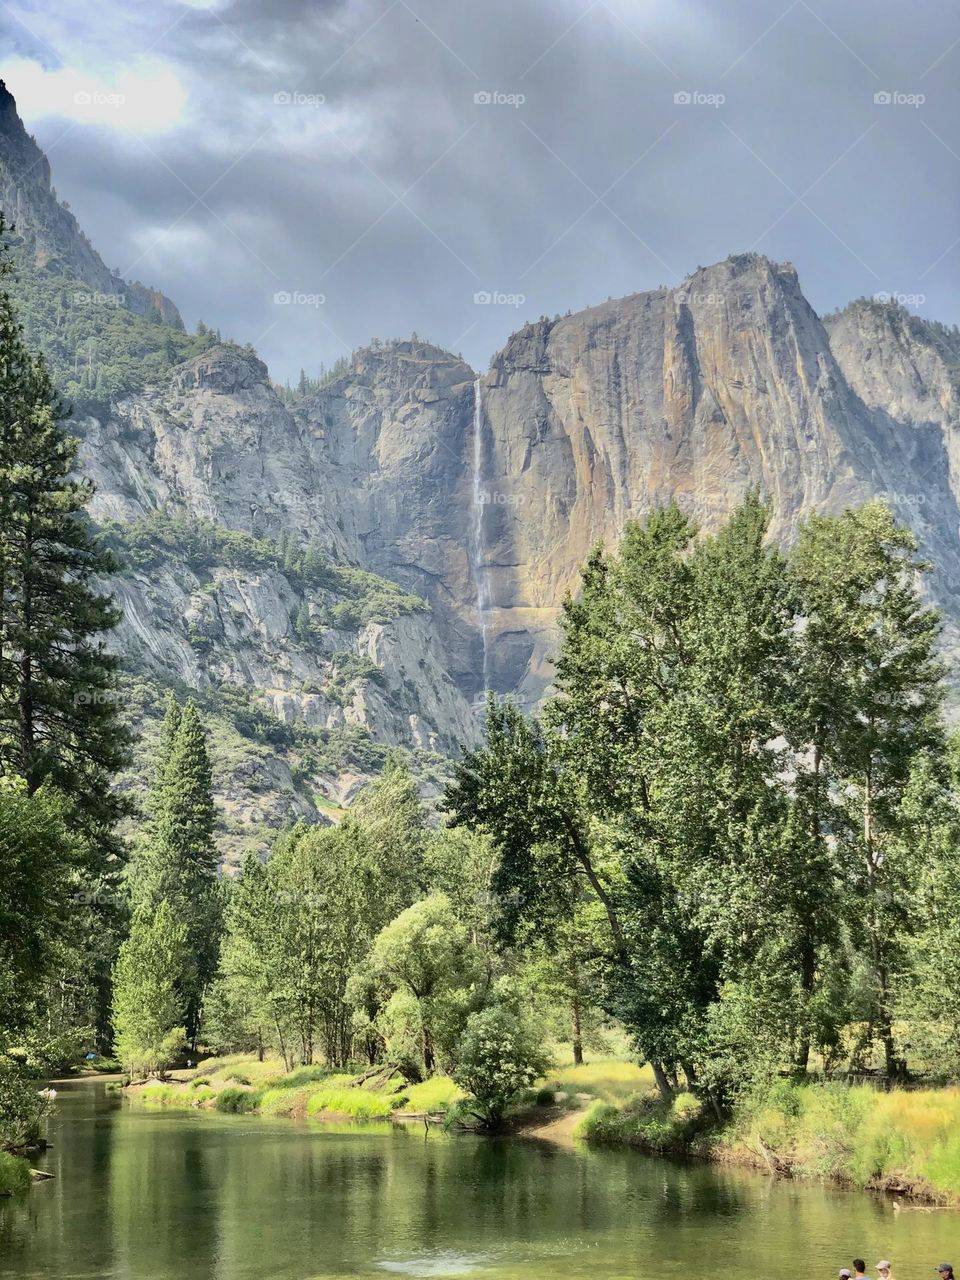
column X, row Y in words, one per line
column 177, row 862
column 59, row 718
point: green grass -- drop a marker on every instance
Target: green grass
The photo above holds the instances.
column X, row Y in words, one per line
column 358, row 1104
column 160, row 1093
column 612, row 1080
column 436, row 1094
column 644, row 1122
column 277, row 1101
column 239, row 1101
column 861, row 1135
column 14, row 1173
column 306, row 1075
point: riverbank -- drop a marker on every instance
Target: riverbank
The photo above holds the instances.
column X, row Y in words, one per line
column 243, row 1084
column 905, row 1141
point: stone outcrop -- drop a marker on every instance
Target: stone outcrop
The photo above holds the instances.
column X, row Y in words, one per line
column 482, row 495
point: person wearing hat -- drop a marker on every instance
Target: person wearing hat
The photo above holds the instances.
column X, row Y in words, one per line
column 946, row 1271
column 845, row 1273
column 883, row 1270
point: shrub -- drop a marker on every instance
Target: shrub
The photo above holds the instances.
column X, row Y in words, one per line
column 545, row 1098
column 500, row 1056
column 14, row 1173
column 22, row 1110
column 239, row 1101
column 686, row 1106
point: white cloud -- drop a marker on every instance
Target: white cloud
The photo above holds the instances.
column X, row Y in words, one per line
column 144, row 98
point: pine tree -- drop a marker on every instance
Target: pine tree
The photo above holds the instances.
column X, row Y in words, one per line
column 177, row 863
column 313, row 564
column 302, row 624
column 59, row 716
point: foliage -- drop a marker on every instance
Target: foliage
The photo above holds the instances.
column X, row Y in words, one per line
column 176, row 863
column 14, row 1173
column 22, row 1109
column 426, row 960
column 147, row 1007
column 500, row 1055
column 360, row 596
column 97, row 348
column 711, row 819
column 59, row 721
column 36, row 853
column 299, row 927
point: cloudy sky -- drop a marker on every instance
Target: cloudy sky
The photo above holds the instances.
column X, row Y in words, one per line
column 383, row 163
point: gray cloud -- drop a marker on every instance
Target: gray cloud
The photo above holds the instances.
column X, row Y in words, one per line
column 400, row 198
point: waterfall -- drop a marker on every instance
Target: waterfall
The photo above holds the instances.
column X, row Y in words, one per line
column 477, row 567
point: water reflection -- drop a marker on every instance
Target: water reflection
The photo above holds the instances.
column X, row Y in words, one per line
column 153, row 1195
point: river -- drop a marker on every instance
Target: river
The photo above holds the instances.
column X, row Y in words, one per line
column 144, row 1194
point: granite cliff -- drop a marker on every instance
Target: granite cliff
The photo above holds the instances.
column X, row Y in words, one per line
column 339, row 573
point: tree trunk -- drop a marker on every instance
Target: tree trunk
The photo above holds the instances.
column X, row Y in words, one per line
column 25, row 708
column 663, row 1084
column 577, row 1031
column 808, row 969
column 428, row 1060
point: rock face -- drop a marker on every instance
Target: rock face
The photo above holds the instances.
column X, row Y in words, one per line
column 409, row 476
column 588, row 421
column 51, row 233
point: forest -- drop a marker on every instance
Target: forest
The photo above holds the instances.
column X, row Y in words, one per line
column 729, row 838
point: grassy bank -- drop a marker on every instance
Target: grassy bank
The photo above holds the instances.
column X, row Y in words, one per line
column 14, row 1174
column 244, row 1085
column 905, row 1140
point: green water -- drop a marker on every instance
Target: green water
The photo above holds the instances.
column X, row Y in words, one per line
column 152, row 1195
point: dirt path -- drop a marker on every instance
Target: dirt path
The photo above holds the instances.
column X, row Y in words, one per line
column 559, row 1130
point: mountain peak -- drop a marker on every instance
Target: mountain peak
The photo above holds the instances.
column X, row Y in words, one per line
column 49, row 232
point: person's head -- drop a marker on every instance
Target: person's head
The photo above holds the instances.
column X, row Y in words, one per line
column 859, row 1266
column 945, row 1270
column 883, row 1268
column 845, row 1273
